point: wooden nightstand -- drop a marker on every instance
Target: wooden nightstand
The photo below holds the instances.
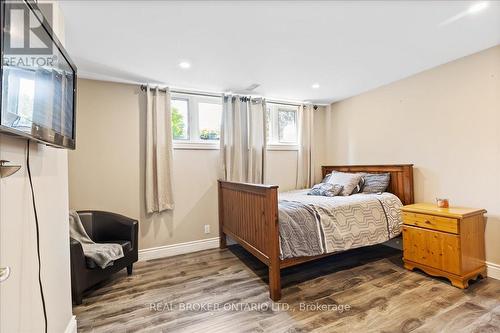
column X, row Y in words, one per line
column 445, row 242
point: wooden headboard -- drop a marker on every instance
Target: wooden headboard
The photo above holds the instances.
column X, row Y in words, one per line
column 401, row 183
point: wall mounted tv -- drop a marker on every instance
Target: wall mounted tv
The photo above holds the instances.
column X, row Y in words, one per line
column 38, row 78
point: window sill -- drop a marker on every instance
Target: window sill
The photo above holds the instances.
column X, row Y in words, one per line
column 282, row 147
column 189, row 145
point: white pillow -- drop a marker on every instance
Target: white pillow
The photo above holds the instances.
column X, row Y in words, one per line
column 348, row 180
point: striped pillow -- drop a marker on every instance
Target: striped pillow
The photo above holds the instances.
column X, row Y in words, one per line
column 376, row 182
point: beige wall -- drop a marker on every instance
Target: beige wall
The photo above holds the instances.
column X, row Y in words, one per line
column 20, row 303
column 445, row 120
column 107, row 169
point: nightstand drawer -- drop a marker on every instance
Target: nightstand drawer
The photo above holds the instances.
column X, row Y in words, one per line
column 432, row 222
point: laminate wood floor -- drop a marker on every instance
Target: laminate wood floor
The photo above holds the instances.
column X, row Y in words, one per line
column 226, row 291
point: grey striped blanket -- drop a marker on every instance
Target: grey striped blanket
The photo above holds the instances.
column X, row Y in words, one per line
column 313, row 225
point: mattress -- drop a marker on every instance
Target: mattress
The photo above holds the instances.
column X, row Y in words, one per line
column 314, row 225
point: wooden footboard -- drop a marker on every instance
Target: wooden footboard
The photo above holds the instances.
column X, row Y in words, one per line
column 248, row 213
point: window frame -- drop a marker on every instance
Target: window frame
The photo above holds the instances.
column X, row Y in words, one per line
column 204, row 100
column 280, row 130
column 194, row 141
column 273, row 140
column 188, row 119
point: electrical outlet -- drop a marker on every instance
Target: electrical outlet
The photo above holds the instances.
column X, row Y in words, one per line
column 207, row 228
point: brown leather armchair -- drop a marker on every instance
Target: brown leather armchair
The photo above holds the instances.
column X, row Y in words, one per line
column 102, row 227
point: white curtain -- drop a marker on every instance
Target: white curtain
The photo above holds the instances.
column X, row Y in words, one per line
column 305, row 162
column 242, row 139
column 159, row 151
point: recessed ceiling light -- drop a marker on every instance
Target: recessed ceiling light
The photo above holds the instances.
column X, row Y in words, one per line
column 477, row 7
column 315, row 86
column 184, row 65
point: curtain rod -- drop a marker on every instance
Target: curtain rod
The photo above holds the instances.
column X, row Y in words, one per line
column 188, row 92
column 271, row 101
column 175, row 91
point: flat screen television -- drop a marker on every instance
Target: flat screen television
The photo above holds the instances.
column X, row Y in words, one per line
column 38, row 78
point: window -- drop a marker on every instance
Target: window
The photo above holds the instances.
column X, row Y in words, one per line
column 180, row 119
column 196, row 121
column 281, row 125
column 287, row 126
column 209, row 117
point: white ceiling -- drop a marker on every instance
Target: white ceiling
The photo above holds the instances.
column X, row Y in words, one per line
column 285, row 46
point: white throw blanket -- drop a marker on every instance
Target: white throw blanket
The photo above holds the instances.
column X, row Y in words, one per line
column 102, row 254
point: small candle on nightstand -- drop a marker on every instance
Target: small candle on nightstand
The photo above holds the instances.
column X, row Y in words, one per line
column 442, row 203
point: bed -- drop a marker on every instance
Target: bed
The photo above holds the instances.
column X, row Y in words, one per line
column 254, row 216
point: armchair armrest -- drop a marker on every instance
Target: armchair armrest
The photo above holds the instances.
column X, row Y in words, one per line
column 76, row 250
column 108, row 226
column 78, row 268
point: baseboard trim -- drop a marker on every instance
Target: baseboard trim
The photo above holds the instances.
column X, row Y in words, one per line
column 71, row 328
column 493, row 270
column 176, row 249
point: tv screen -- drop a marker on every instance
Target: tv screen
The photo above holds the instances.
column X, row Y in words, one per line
column 38, row 80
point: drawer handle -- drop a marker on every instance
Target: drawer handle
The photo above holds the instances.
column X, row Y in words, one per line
column 428, row 222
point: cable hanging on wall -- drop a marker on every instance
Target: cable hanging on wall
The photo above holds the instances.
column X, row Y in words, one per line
column 28, row 167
